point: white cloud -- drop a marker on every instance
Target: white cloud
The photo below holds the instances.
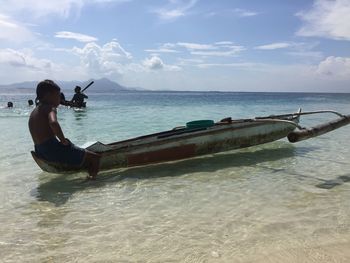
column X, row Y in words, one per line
column 219, row 49
column 75, row 36
column 171, row 47
column 162, row 50
column 195, row 46
column 107, row 60
column 244, row 13
column 24, row 59
column 13, row 31
column 335, row 67
column 317, row 55
column 273, row 46
column 12, row 11
column 109, row 50
column 42, row 8
column 238, row 12
column 5, row 22
column 300, row 50
column 175, row 9
column 170, row 14
column 189, row 61
column 110, row 1
column 224, row 43
column 153, row 63
column 12, row 58
column 229, row 51
column 329, row 19
column 241, row 65
column 27, row 66
column 156, row 63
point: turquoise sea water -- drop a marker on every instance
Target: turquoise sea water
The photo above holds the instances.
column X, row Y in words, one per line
column 278, row 202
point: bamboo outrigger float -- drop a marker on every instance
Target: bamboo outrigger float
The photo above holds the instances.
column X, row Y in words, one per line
column 199, row 138
column 318, row 130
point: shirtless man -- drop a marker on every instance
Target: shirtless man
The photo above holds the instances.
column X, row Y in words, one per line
column 49, row 141
column 78, row 98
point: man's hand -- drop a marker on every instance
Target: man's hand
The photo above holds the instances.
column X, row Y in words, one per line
column 65, row 142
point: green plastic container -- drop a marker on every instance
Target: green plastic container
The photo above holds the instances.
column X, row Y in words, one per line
column 199, row 124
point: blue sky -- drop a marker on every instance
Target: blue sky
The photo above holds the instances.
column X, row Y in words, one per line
column 224, row 45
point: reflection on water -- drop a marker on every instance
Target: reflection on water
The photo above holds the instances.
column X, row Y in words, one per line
column 79, row 115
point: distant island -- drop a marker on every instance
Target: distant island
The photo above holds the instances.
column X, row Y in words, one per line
column 102, row 85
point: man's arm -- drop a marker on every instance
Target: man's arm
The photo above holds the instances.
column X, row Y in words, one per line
column 74, row 98
column 56, row 128
column 86, row 97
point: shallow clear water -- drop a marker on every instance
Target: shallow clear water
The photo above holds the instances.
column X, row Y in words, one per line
column 277, row 202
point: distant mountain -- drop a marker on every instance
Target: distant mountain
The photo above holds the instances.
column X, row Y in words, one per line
column 100, row 85
column 103, row 85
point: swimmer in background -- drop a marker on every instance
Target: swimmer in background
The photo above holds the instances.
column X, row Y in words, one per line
column 78, row 98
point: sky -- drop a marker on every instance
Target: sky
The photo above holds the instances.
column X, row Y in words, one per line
column 222, row 45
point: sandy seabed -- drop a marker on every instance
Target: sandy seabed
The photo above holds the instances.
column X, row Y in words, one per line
column 338, row 252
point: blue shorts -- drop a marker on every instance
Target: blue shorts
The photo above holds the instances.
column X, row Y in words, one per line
column 54, row 151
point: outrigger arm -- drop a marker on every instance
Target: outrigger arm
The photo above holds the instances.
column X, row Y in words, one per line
column 307, row 133
column 303, row 134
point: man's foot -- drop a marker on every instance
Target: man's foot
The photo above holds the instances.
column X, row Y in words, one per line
column 90, row 177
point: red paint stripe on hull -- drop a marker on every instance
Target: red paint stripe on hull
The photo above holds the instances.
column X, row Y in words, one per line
column 164, row 155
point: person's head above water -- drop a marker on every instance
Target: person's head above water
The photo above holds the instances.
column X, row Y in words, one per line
column 77, row 89
column 48, row 92
column 9, row 104
column 30, row 102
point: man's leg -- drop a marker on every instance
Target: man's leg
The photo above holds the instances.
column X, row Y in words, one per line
column 92, row 162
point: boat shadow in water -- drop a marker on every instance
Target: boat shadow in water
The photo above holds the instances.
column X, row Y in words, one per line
column 60, row 188
column 329, row 184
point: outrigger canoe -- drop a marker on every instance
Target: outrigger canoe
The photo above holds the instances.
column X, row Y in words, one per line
column 195, row 139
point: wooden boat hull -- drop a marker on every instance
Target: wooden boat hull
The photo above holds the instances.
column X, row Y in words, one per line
column 183, row 143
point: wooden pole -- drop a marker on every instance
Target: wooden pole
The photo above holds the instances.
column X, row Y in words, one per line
column 92, row 82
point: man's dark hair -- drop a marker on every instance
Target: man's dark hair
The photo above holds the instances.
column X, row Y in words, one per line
column 77, row 89
column 44, row 87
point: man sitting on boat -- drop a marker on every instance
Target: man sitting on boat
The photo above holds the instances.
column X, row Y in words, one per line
column 49, row 140
column 78, row 98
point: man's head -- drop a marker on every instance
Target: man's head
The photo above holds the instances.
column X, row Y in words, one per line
column 48, row 91
column 77, row 89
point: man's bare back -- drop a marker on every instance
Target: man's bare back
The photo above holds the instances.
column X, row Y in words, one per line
column 39, row 124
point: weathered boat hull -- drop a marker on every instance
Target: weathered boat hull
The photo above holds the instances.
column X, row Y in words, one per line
column 183, row 143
